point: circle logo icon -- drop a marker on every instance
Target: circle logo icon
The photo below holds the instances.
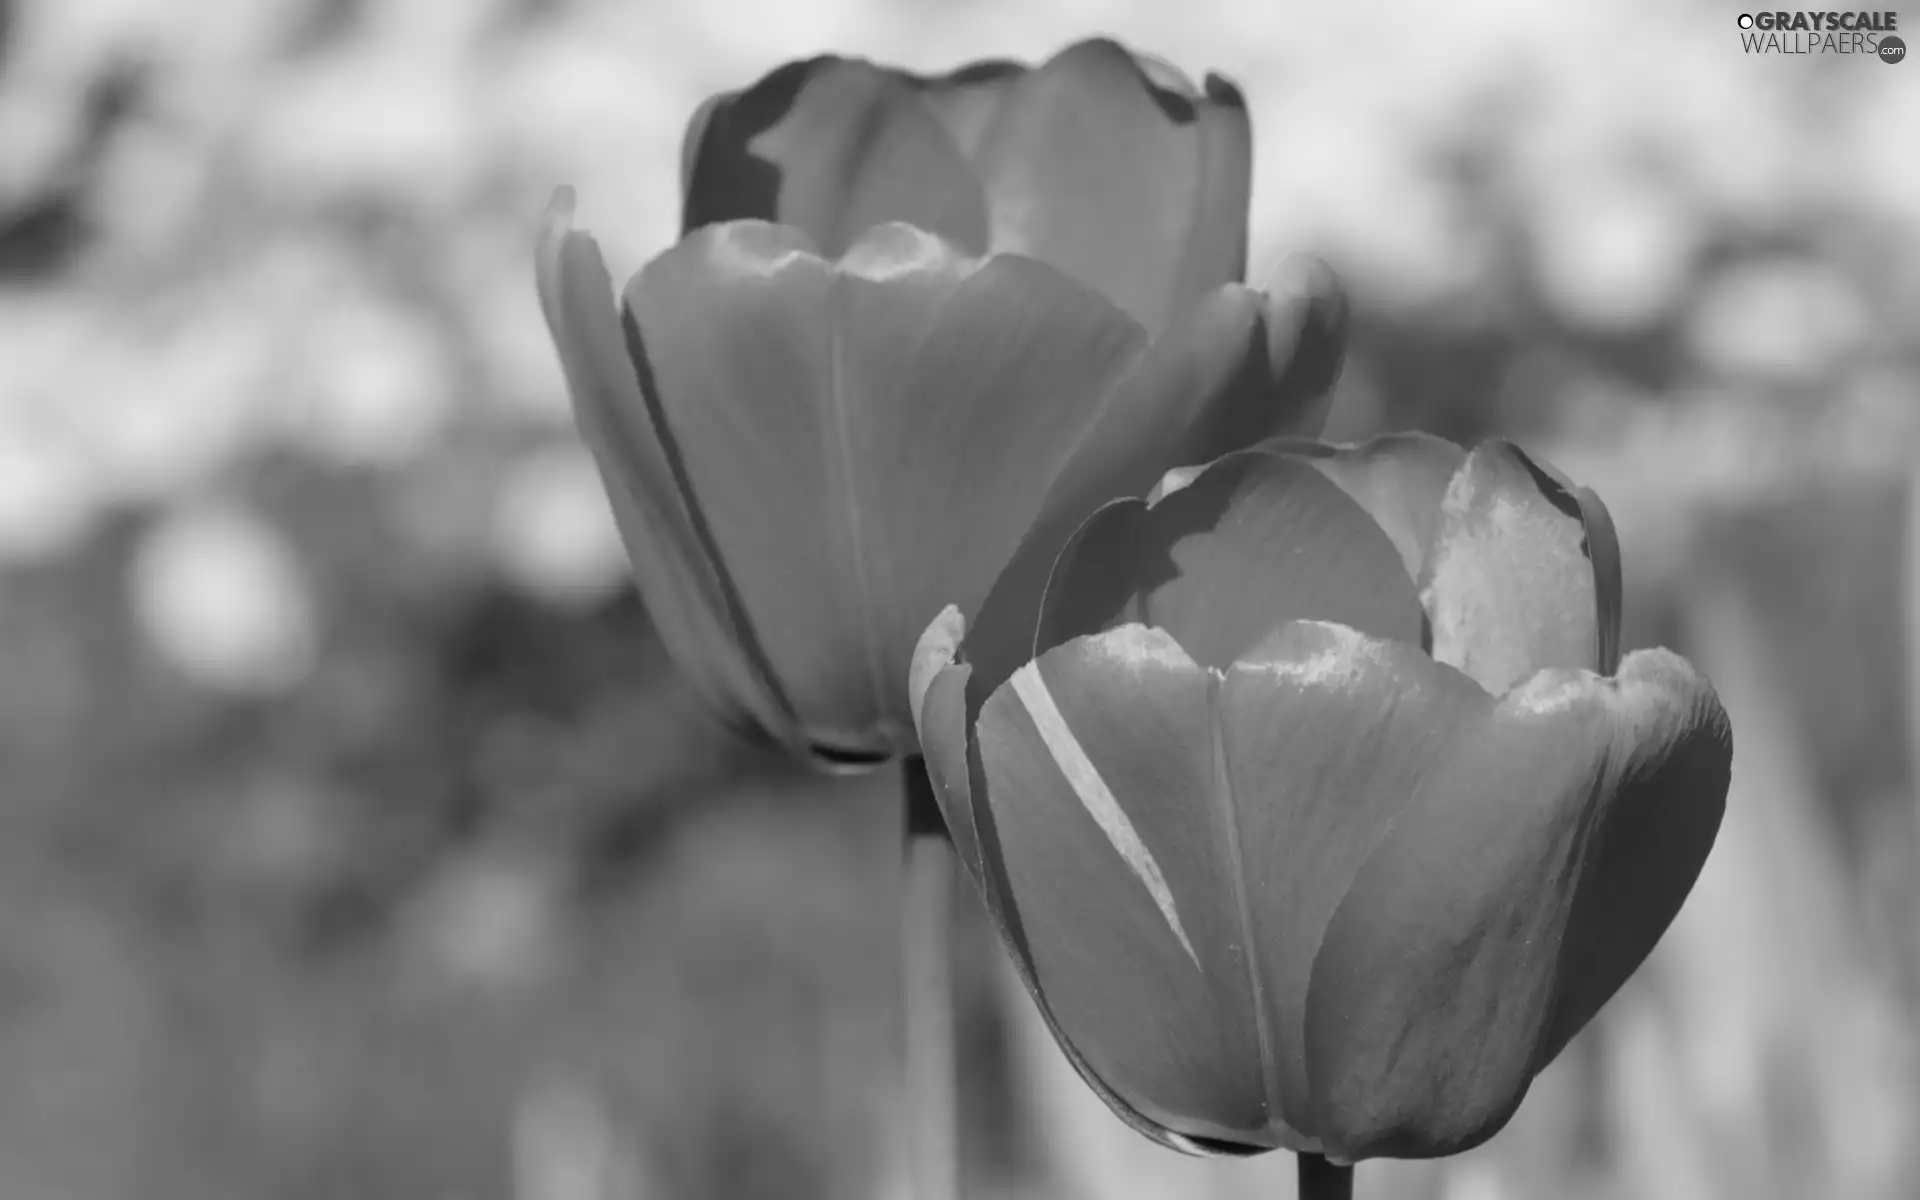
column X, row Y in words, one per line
column 1746, row 20
column 1892, row 49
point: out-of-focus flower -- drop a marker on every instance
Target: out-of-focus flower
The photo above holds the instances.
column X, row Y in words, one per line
column 1325, row 813
column 225, row 600
column 808, row 456
column 1110, row 165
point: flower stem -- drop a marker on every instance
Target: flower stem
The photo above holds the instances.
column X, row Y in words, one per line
column 1322, row 1180
column 927, row 927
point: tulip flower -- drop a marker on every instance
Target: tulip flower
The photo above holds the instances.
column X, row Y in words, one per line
column 1325, row 811
column 1111, row 166
column 809, row 456
column 915, row 331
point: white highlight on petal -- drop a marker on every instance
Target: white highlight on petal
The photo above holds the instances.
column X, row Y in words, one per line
column 1084, row 778
column 1173, row 481
column 895, row 249
column 1345, row 655
column 1555, row 690
column 934, row 653
column 1140, row 646
column 1644, row 677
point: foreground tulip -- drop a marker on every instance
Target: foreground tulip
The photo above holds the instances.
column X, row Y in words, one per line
column 808, row 457
column 1325, row 813
column 1111, row 166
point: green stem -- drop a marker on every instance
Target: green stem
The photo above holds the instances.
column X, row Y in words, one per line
column 1322, row 1180
column 927, row 927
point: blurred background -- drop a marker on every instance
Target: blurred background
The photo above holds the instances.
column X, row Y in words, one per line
column 357, row 841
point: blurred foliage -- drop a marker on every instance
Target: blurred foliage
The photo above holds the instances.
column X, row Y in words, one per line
column 359, row 842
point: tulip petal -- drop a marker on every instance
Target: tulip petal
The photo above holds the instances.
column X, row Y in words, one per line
column 1095, row 167
column 1400, row 479
column 1099, row 772
column 1254, row 541
column 937, row 698
column 1603, row 548
column 694, row 140
column 1512, row 588
column 837, row 423
column 938, row 687
column 687, row 596
column 1325, row 735
column 1307, row 346
column 1205, row 388
column 1673, row 764
column 832, row 146
column 1217, row 242
column 967, row 100
column 1549, row 846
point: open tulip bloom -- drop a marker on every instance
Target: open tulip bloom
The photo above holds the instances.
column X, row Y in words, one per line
column 1324, row 813
column 808, row 457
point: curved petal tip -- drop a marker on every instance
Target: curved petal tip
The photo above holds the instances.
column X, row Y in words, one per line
column 1304, row 274
column 1173, row 481
column 556, row 223
column 936, row 651
column 1511, row 586
column 560, row 206
column 1164, row 75
column 1224, row 92
column 1307, row 330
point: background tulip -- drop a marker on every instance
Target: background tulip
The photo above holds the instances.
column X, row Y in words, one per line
column 1323, row 816
column 809, row 456
column 828, row 412
column 1109, row 165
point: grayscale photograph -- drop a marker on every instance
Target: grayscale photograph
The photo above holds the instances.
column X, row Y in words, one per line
column 958, row 600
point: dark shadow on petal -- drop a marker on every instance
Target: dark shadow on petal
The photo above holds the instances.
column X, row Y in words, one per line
column 725, row 180
column 1654, row 841
column 1317, row 349
column 1175, row 107
column 923, row 816
column 1175, row 103
column 846, row 760
column 1092, row 588
column 834, row 146
column 749, row 642
column 1602, row 547
column 1256, row 540
column 1557, row 489
column 1260, row 401
column 694, row 140
column 1225, row 92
